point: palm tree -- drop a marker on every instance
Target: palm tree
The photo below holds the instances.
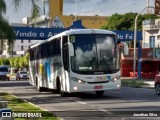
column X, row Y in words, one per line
column 35, row 8
column 6, row 30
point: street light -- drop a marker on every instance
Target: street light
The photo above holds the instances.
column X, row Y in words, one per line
column 135, row 38
column 44, row 8
column 76, row 2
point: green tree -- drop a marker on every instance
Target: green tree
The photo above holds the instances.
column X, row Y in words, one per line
column 35, row 10
column 6, row 30
column 126, row 21
column 11, row 61
column 1, row 62
column 6, row 61
column 16, row 62
column 26, row 60
column 21, row 62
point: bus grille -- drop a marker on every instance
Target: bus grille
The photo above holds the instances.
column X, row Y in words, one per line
column 97, row 82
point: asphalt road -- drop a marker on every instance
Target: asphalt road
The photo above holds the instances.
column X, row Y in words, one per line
column 124, row 104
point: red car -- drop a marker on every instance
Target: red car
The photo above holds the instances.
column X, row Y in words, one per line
column 157, row 84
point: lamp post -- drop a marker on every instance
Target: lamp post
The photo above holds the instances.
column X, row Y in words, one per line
column 135, row 38
column 44, row 6
column 76, row 2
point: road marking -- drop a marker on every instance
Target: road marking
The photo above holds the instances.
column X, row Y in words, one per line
column 100, row 109
column 81, row 102
column 103, row 110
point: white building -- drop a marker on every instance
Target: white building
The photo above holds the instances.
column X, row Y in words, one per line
column 20, row 46
column 151, row 34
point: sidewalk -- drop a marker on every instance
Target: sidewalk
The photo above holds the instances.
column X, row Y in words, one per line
column 150, row 82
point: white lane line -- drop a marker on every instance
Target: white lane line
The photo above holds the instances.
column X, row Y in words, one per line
column 100, row 109
column 81, row 102
column 103, row 110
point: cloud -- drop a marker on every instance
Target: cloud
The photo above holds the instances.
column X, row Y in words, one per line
column 87, row 12
column 100, row 2
column 90, row 12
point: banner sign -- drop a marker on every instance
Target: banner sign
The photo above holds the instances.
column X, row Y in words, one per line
column 127, row 35
column 35, row 33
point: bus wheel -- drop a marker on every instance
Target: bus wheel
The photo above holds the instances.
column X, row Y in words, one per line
column 100, row 93
column 58, row 86
column 62, row 93
column 40, row 89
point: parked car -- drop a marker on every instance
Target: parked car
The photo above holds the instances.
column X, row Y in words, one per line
column 4, row 72
column 22, row 75
column 157, row 84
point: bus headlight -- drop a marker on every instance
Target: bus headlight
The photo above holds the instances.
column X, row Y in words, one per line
column 8, row 75
column 115, row 79
column 78, row 80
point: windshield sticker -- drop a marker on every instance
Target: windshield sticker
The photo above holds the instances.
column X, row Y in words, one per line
column 85, row 68
column 72, row 39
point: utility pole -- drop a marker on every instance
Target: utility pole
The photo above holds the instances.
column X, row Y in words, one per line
column 147, row 5
column 76, row 2
column 135, row 38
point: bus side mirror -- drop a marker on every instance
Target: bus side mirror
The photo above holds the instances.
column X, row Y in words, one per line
column 71, row 49
column 125, row 48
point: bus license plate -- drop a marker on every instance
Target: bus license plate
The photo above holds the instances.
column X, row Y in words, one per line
column 98, row 87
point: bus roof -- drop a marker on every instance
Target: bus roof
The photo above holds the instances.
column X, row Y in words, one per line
column 76, row 31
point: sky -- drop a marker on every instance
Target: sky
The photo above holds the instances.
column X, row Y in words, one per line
column 83, row 7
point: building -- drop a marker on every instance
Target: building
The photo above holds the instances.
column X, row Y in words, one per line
column 20, row 46
column 151, row 33
column 53, row 17
column 148, row 58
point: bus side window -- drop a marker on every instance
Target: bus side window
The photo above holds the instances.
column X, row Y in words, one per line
column 51, row 48
column 65, row 52
column 45, row 50
column 58, row 49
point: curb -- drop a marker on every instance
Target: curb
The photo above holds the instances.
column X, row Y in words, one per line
column 39, row 107
column 148, row 86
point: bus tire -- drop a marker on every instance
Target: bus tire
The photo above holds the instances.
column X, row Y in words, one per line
column 58, row 85
column 40, row 89
column 62, row 93
column 100, row 93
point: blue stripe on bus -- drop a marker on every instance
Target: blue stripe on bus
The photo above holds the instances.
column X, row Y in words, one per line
column 48, row 70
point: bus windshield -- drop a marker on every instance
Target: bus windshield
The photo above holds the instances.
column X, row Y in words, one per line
column 94, row 53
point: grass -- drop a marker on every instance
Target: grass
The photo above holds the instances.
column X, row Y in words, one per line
column 20, row 106
column 133, row 83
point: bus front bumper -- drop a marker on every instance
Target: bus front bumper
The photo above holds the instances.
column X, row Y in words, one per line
column 86, row 87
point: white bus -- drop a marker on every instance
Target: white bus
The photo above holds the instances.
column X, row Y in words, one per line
column 77, row 60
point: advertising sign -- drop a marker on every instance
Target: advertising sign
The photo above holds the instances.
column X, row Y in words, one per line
column 35, row 33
